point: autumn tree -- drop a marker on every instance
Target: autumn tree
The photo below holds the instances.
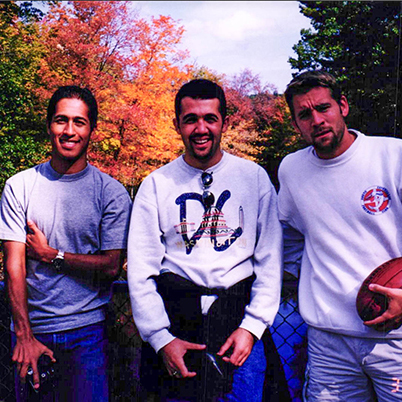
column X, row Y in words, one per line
column 134, row 68
column 260, row 123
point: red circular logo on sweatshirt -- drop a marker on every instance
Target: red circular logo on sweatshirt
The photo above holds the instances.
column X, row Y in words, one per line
column 376, row 200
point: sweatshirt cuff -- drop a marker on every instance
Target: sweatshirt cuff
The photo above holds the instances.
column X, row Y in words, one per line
column 160, row 339
column 256, row 327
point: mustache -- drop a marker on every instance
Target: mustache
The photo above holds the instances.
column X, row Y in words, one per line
column 320, row 131
column 195, row 136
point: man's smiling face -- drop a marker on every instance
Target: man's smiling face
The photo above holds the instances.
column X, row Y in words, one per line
column 69, row 132
column 201, row 126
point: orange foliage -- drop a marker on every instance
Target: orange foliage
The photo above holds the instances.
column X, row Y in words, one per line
column 260, row 123
column 133, row 67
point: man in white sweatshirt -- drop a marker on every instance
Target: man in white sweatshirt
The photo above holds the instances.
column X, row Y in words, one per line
column 204, row 260
column 340, row 205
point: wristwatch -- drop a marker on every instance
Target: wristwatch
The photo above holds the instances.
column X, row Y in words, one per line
column 58, row 261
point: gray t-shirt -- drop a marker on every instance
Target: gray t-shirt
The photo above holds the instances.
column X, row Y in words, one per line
column 80, row 213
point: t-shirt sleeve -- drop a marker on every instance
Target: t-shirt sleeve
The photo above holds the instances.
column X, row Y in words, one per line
column 13, row 216
column 115, row 219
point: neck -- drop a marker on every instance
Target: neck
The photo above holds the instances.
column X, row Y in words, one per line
column 347, row 140
column 203, row 164
column 63, row 166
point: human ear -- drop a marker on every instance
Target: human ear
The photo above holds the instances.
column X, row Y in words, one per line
column 176, row 125
column 225, row 124
column 344, row 106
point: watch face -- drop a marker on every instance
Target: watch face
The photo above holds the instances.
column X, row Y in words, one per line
column 58, row 263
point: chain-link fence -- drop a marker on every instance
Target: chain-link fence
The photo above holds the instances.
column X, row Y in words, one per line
column 288, row 334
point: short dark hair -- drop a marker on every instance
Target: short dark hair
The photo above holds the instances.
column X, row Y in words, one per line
column 201, row 89
column 308, row 80
column 74, row 92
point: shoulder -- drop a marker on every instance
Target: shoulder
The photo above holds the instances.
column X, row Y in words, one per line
column 28, row 173
column 246, row 174
column 170, row 170
column 104, row 177
column 26, row 177
column 383, row 141
column 382, row 148
column 107, row 184
column 294, row 160
column 236, row 162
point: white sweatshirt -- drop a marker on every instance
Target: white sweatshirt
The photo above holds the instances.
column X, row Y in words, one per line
column 349, row 211
column 240, row 234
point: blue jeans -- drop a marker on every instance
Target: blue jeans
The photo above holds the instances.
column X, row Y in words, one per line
column 80, row 370
column 248, row 380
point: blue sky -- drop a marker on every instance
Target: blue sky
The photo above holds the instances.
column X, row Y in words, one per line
column 229, row 36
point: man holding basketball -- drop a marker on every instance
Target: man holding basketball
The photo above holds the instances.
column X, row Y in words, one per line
column 340, row 206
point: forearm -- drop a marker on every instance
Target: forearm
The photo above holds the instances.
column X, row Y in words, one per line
column 14, row 263
column 19, row 309
column 107, row 264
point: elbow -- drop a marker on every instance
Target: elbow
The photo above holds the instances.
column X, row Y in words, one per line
column 113, row 266
column 113, row 272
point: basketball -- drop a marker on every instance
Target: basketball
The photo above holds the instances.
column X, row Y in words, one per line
column 371, row 305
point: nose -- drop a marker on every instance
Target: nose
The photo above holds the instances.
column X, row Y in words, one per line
column 69, row 128
column 201, row 127
column 316, row 118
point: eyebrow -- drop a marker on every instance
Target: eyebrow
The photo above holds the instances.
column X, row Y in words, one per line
column 306, row 110
column 63, row 116
column 192, row 115
column 303, row 112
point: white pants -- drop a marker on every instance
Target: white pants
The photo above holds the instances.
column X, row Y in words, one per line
column 350, row 369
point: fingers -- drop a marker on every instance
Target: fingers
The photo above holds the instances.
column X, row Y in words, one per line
column 49, row 353
column 242, row 342
column 379, row 289
column 173, row 357
column 32, row 227
column 182, row 370
column 21, row 363
column 225, row 347
column 194, row 346
column 26, row 355
column 384, row 322
column 35, row 374
column 376, row 321
column 392, row 317
column 238, row 357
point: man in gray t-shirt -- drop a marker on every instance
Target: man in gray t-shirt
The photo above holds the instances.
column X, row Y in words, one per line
column 64, row 227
